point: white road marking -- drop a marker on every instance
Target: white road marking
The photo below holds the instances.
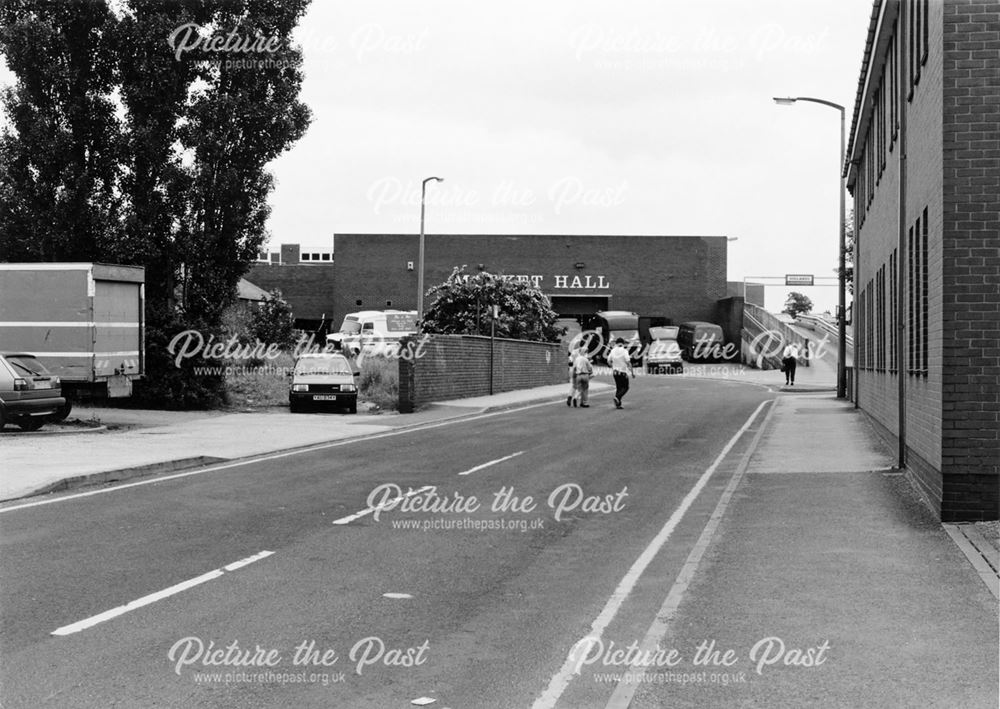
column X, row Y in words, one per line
column 158, row 596
column 621, row 698
column 559, row 682
column 397, row 595
column 368, row 511
column 274, row 456
column 423, row 701
column 492, row 462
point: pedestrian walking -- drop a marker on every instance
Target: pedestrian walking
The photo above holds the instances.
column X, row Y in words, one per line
column 621, row 367
column 575, row 349
column 583, row 370
column 789, row 361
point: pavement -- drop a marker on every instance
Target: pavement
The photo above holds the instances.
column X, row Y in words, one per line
column 132, row 443
column 824, row 542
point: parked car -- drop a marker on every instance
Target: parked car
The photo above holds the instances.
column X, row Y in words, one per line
column 30, row 395
column 324, row 380
column 663, row 354
column 701, row 341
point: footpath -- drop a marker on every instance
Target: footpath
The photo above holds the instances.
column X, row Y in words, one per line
column 821, row 543
column 167, row 441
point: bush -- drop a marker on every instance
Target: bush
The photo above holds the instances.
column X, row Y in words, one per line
column 272, row 323
column 167, row 386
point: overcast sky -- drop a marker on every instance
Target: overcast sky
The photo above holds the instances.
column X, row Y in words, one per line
column 578, row 117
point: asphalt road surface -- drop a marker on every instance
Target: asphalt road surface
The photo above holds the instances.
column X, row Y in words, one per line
column 317, row 579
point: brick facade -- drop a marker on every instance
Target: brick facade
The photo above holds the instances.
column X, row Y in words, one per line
column 307, row 288
column 458, row 366
column 678, row 277
column 931, row 87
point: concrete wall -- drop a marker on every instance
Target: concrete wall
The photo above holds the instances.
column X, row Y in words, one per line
column 458, row 366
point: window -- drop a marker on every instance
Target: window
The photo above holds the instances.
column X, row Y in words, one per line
column 924, row 300
column 326, row 257
column 911, row 302
column 925, row 34
column 305, row 257
column 917, row 6
column 910, row 49
column 918, row 297
column 893, row 304
column 880, row 318
column 893, row 86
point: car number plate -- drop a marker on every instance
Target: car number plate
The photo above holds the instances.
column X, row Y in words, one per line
column 325, row 397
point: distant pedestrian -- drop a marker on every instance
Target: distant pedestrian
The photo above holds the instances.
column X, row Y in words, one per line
column 582, row 370
column 574, row 351
column 789, row 360
column 621, row 367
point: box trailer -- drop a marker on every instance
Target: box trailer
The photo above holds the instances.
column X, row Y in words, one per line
column 84, row 321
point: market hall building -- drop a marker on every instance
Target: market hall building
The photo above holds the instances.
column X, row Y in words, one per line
column 678, row 277
column 923, row 166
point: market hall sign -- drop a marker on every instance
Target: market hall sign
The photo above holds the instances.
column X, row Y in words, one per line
column 560, row 282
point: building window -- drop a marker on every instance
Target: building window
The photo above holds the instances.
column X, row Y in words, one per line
column 911, row 51
column 918, row 297
column 924, row 295
column 893, row 86
column 925, row 34
column 893, row 304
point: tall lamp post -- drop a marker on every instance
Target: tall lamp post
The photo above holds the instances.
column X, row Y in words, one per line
column 420, row 255
column 842, row 280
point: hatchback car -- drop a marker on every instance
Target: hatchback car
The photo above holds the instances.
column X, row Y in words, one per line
column 29, row 395
column 663, row 353
column 323, row 380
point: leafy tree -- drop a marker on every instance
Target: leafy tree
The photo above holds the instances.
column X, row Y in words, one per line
column 849, row 253
column 118, row 148
column 797, row 303
column 462, row 301
column 58, row 152
column 272, row 321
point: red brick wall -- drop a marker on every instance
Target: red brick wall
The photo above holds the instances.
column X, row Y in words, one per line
column 953, row 170
column 679, row 277
column 307, row 288
column 458, row 366
column 971, row 261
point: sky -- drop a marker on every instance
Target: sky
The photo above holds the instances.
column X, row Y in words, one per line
column 579, row 117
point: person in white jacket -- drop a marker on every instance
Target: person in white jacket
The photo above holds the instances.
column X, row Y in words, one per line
column 789, row 361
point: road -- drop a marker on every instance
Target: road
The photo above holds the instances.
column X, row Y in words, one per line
column 545, row 525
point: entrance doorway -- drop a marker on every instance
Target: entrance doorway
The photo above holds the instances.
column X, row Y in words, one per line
column 575, row 306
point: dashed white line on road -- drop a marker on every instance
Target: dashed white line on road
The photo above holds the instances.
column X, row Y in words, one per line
column 492, row 462
column 358, row 515
column 396, row 595
column 158, row 596
column 560, row 680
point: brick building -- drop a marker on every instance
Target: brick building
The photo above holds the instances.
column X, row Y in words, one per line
column 305, row 279
column 923, row 167
column 678, row 277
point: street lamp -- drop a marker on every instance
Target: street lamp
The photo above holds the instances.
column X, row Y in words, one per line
column 420, row 255
column 842, row 280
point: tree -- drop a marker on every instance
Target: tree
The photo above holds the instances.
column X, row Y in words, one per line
column 272, row 321
column 121, row 148
column 59, row 166
column 848, row 254
column 463, row 301
column 797, row 303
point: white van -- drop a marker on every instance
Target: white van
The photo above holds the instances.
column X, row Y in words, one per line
column 374, row 331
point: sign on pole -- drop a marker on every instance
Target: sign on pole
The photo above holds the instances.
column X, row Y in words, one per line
column 798, row 279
